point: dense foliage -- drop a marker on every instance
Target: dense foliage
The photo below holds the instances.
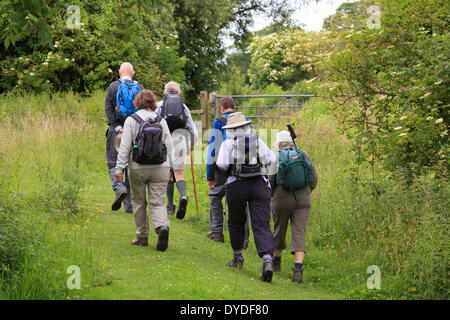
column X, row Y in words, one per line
column 288, row 57
column 47, row 48
column 385, row 67
column 391, row 84
column 87, row 56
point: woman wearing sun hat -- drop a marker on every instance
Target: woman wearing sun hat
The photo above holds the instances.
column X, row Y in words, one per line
column 247, row 184
column 285, row 208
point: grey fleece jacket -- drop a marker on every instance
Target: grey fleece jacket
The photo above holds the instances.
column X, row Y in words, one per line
column 131, row 130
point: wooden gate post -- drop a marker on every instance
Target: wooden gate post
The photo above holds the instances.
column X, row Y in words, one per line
column 204, row 107
column 212, row 97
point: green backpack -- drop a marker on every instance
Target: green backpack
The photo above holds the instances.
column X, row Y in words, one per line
column 294, row 170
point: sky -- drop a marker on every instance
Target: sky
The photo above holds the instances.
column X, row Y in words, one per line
column 310, row 15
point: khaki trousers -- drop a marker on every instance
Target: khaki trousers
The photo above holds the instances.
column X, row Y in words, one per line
column 155, row 181
column 284, row 209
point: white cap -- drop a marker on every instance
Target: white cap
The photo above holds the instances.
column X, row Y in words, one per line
column 284, row 136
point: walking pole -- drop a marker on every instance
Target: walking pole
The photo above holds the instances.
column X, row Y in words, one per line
column 293, row 135
column 193, row 180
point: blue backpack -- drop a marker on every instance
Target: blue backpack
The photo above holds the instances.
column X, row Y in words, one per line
column 126, row 93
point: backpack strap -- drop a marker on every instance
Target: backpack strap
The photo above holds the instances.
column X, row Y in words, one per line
column 158, row 119
column 141, row 121
column 119, row 98
column 235, row 160
column 163, row 108
column 137, row 118
column 222, row 119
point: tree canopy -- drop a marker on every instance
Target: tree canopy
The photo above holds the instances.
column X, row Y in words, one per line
column 165, row 40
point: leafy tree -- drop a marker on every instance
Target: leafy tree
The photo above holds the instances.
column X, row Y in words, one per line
column 288, row 57
column 87, row 57
column 165, row 40
column 391, row 86
column 348, row 15
column 201, row 25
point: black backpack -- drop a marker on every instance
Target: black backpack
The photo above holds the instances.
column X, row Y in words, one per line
column 149, row 147
column 173, row 112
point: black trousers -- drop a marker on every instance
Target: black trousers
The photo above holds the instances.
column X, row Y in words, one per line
column 256, row 193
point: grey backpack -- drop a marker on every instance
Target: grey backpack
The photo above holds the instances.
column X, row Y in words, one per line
column 173, row 112
column 245, row 152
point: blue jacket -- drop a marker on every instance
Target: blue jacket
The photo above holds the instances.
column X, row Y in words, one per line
column 218, row 135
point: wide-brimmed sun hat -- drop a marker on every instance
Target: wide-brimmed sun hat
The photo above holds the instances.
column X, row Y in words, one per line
column 236, row 120
column 117, row 141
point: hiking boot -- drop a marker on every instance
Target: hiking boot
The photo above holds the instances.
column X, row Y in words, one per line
column 182, row 207
column 237, row 262
column 163, row 239
column 267, row 271
column 297, row 275
column 141, row 242
column 171, row 210
column 276, row 265
column 215, row 236
column 117, row 204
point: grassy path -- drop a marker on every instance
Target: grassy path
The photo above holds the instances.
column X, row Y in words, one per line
column 192, row 268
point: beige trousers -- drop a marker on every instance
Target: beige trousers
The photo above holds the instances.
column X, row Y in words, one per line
column 155, row 181
column 285, row 208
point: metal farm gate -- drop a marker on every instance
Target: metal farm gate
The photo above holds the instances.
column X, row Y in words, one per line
column 283, row 107
column 286, row 104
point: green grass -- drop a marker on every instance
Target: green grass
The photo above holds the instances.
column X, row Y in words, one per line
column 55, row 199
column 192, row 268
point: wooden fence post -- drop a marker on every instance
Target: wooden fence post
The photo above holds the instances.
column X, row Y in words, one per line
column 204, row 107
column 212, row 97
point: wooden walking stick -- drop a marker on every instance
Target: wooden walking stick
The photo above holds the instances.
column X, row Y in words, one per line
column 193, row 180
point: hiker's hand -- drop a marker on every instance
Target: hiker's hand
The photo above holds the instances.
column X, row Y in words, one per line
column 211, row 184
column 118, row 176
column 120, row 131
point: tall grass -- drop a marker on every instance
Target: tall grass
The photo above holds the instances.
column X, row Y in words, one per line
column 47, row 147
column 363, row 216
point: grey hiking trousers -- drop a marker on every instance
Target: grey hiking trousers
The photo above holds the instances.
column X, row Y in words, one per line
column 111, row 159
column 154, row 182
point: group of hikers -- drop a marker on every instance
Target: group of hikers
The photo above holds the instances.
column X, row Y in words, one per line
column 146, row 146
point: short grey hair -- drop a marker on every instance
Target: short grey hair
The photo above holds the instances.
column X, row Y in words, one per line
column 172, row 87
column 286, row 145
column 126, row 67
